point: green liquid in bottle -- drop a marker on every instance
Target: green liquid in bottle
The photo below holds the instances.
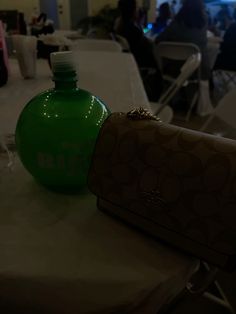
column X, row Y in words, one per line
column 57, row 130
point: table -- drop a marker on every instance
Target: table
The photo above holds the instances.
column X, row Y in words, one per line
column 111, row 76
column 59, row 254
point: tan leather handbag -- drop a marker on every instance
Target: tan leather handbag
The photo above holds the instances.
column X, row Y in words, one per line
column 176, row 184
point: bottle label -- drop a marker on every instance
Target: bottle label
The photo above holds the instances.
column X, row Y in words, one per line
column 74, row 158
column 70, row 164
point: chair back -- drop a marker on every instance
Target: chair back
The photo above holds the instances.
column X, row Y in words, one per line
column 170, row 57
column 189, row 67
column 174, row 51
column 97, row 45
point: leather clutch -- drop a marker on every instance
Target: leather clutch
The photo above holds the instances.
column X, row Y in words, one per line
column 176, row 184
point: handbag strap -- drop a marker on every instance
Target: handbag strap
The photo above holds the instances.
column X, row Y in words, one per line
column 141, row 114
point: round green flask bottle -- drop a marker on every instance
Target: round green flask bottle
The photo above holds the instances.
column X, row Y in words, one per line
column 57, row 130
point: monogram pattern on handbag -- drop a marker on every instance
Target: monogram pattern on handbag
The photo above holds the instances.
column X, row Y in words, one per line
column 181, row 179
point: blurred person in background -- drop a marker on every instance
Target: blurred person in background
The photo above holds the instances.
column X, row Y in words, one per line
column 3, row 69
column 226, row 59
column 142, row 16
column 3, row 57
column 21, row 24
column 223, row 18
column 140, row 46
column 163, row 19
column 190, row 26
column 211, row 25
column 42, row 25
column 173, row 8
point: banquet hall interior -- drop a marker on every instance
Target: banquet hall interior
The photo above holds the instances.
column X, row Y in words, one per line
column 135, row 101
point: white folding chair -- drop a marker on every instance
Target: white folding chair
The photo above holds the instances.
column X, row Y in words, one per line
column 190, row 66
column 97, row 45
column 178, row 51
column 225, row 110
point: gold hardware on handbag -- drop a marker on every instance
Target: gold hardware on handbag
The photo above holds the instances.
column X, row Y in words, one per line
column 176, row 184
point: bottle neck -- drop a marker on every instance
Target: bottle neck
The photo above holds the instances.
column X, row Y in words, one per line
column 65, row 80
column 62, row 85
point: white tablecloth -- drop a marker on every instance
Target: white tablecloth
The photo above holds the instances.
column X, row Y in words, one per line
column 59, row 254
column 113, row 77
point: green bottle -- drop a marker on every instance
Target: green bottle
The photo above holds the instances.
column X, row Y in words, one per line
column 57, row 130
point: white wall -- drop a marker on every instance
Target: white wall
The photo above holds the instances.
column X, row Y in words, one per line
column 152, row 11
column 25, row 6
column 64, row 19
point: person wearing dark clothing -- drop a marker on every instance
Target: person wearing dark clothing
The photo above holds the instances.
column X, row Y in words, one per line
column 190, row 26
column 141, row 48
column 162, row 19
column 234, row 15
column 226, row 59
column 173, row 8
column 142, row 16
column 3, row 70
column 42, row 26
column 127, row 27
column 21, row 24
column 223, row 17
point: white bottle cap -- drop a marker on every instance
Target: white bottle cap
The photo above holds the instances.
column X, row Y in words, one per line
column 62, row 61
